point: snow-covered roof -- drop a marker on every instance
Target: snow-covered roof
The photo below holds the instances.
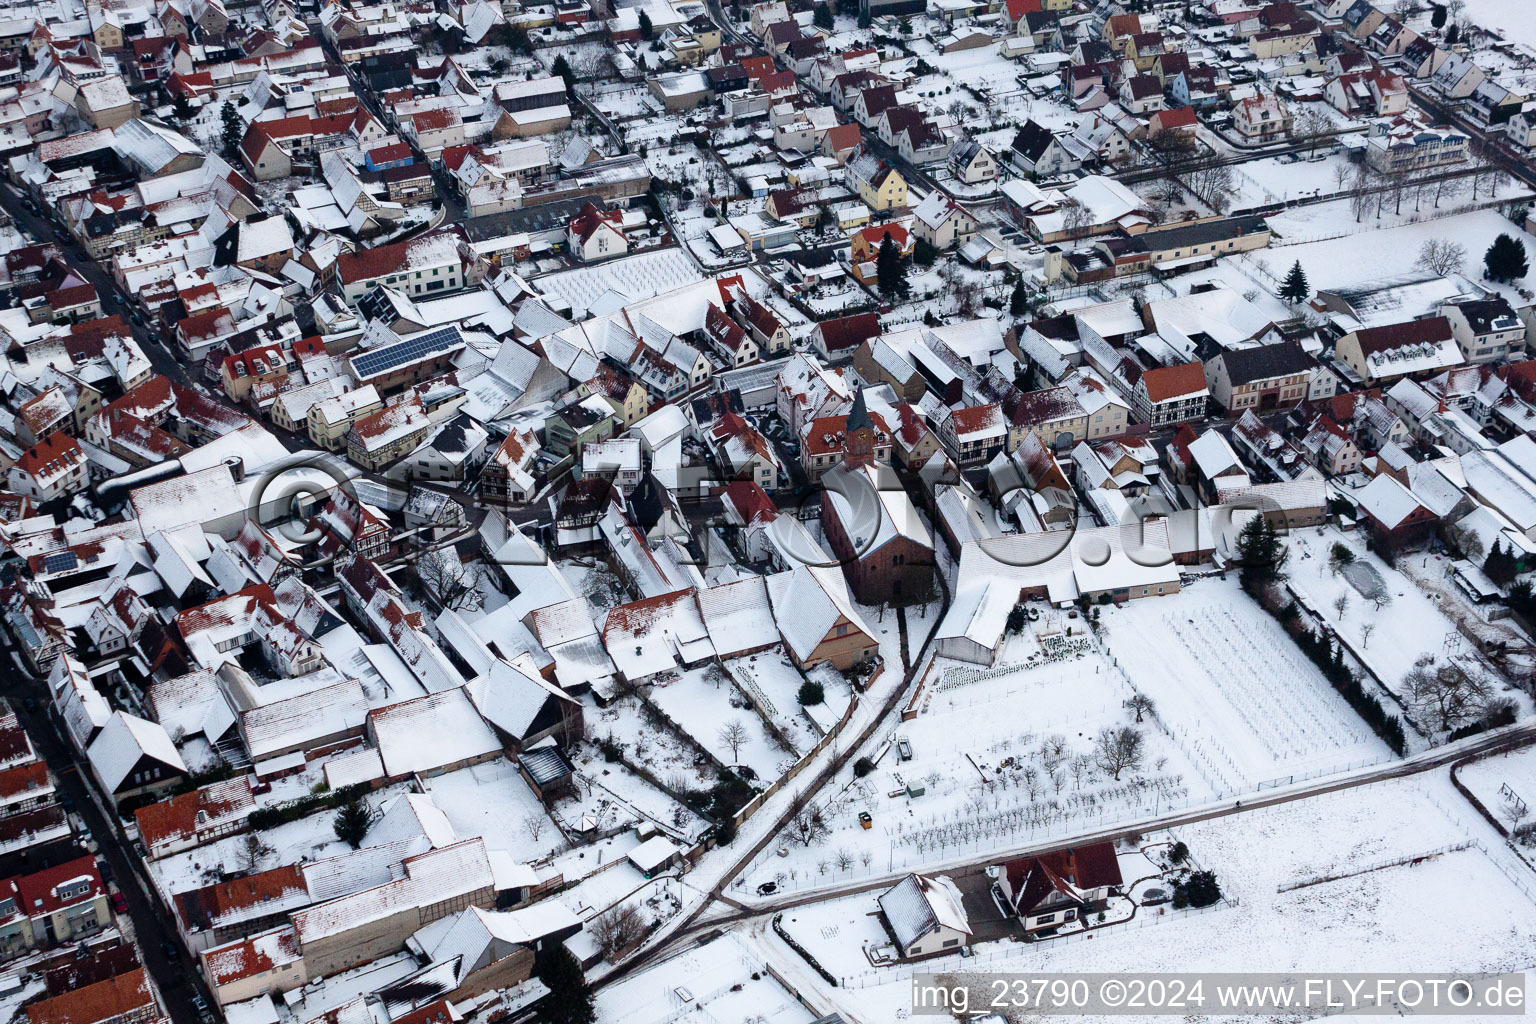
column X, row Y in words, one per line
column 123, row 742
column 917, row 905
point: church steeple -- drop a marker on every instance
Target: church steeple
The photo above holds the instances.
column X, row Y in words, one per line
column 859, row 433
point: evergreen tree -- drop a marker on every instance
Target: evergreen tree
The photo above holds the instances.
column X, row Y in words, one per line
column 1019, row 301
column 924, row 252
column 570, row 998
column 1506, row 260
column 823, row 17
column 1295, row 289
column 233, row 129
column 181, row 108
column 1259, row 553
column 351, row 823
column 865, row 20
column 1500, row 565
column 1437, row 16
column 647, row 30
column 890, row 273
column 562, row 67
column 1453, row 35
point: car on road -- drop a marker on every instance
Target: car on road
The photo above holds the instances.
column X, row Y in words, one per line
column 119, row 904
column 169, row 949
column 768, row 888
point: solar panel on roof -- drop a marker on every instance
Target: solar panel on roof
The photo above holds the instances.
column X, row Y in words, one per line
column 387, row 357
column 60, row 562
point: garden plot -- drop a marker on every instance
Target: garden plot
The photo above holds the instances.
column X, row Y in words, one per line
column 1388, row 639
column 613, row 795
column 493, row 801
column 1458, row 910
column 774, row 682
column 643, row 739
column 1234, row 687
column 1506, row 784
column 992, row 762
column 704, row 702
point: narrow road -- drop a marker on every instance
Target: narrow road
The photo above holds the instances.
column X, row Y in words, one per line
column 828, row 772
column 161, row 357
column 176, row 978
column 1507, row 738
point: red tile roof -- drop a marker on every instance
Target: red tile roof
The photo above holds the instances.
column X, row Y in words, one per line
column 1168, row 382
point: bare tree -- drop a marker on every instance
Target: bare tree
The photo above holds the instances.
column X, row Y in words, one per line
column 1360, row 193
column 534, row 824
column 1310, row 126
column 1448, row 691
column 1448, row 188
column 451, row 583
column 1341, row 605
column 252, row 851
column 1441, row 257
column 1118, row 749
column 1141, row 705
column 808, row 828
column 1075, row 217
column 734, row 735
column 1080, row 766
column 617, row 928
column 1031, row 776
column 1341, row 175
column 1366, row 629
column 844, row 859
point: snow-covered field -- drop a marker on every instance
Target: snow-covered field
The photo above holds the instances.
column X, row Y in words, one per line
column 1235, row 689
column 1488, row 779
column 1411, row 625
column 998, row 759
column 1459, row 911
column 1511, row 17
column 1377, row 255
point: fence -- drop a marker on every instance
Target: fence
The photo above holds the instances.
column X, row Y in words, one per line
column 1371, row 223
column 1379, row 865
column 799, row 766
column 969, row 964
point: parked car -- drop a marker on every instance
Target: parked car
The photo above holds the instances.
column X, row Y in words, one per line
column 172, row 953
column 119, row 904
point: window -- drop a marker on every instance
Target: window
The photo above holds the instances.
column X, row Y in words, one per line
column 1045, row 919
column 951, row 942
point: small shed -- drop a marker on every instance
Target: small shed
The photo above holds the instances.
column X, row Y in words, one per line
column 547, row 770
column 655, row 855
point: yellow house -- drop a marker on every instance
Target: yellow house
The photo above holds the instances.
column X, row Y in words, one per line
column 877, row 183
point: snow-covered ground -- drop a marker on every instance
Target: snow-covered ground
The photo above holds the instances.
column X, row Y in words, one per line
column 1411, row 625
column 1366, row 254
column 778, row 683
column 492, row 800
column 1511, row 17
column 1505, row 783
column 1463, row 910
column 710, row 984
column 1233, row 686
column 998, row 759
column 706, row 704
